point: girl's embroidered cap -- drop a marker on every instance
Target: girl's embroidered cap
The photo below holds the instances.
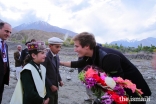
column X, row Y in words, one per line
column 39, row 46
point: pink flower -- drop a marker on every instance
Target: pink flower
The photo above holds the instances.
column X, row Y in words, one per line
column 125, row 83
column 90, row 72
column 139, row 91
column 118, row 79
column 103, row 76
column 130, row 85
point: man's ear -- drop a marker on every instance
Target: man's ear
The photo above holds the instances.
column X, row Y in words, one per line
column 87, row 47
column 50, row 45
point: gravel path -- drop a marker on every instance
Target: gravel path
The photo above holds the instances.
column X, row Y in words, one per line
column 73, row 92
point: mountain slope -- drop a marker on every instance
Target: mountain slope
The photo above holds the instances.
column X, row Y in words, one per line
column 148, row 41
column 44, row 26
column 145, row 42
column 34, row 34
column 0, row 20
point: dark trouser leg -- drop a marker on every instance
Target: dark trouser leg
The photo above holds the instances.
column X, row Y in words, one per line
column 53, row 98
column 56, row 97
column 1, row 92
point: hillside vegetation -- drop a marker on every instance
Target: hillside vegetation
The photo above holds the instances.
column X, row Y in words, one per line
column 26, row 35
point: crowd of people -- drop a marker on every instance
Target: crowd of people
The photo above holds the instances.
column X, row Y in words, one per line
column 37, row 70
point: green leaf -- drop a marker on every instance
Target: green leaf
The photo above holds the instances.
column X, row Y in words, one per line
column 113, row 72
column 81, row 76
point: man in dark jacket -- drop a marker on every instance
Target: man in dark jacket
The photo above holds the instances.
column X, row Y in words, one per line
column 24, row 53
column 5, row 31
column 111, row 61
column 18, row 65
column 51, row 64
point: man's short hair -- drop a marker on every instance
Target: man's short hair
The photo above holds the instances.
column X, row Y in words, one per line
column 19, row 46
column 33, row 40
column 27, row 42
column 85, row 39
column 2, row 24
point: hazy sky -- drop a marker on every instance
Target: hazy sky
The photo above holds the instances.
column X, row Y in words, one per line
column 108, row 20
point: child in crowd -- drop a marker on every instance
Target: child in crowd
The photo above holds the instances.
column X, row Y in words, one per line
column 31, row 87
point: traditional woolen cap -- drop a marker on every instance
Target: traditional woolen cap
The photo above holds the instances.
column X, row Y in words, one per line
column 55, row 40
column 39, row 46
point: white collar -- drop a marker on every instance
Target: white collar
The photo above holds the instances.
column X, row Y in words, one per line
column 53, row 53
column 39, row 67
column 1, row 40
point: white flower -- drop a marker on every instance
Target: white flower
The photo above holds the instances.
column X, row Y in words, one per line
column 110, row 82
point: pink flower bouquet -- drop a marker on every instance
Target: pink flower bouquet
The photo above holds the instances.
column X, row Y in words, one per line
column 107, row 89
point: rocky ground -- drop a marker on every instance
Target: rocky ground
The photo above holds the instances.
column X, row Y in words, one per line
column 73, row 92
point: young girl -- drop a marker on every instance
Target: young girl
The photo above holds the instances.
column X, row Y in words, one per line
column 31, row 88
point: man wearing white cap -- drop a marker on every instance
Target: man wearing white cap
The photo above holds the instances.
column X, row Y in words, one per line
column 52, row 66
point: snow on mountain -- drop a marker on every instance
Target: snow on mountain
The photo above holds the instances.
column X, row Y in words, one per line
column 44, row 26
column 134, row 43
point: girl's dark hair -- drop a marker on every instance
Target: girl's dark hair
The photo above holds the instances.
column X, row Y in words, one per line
column 29, row 57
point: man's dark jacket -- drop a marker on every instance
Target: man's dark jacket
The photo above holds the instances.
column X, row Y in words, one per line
column 113, row 61
column 24, row 53
column 17, row 59
column 52, row 69
column 5, row 77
